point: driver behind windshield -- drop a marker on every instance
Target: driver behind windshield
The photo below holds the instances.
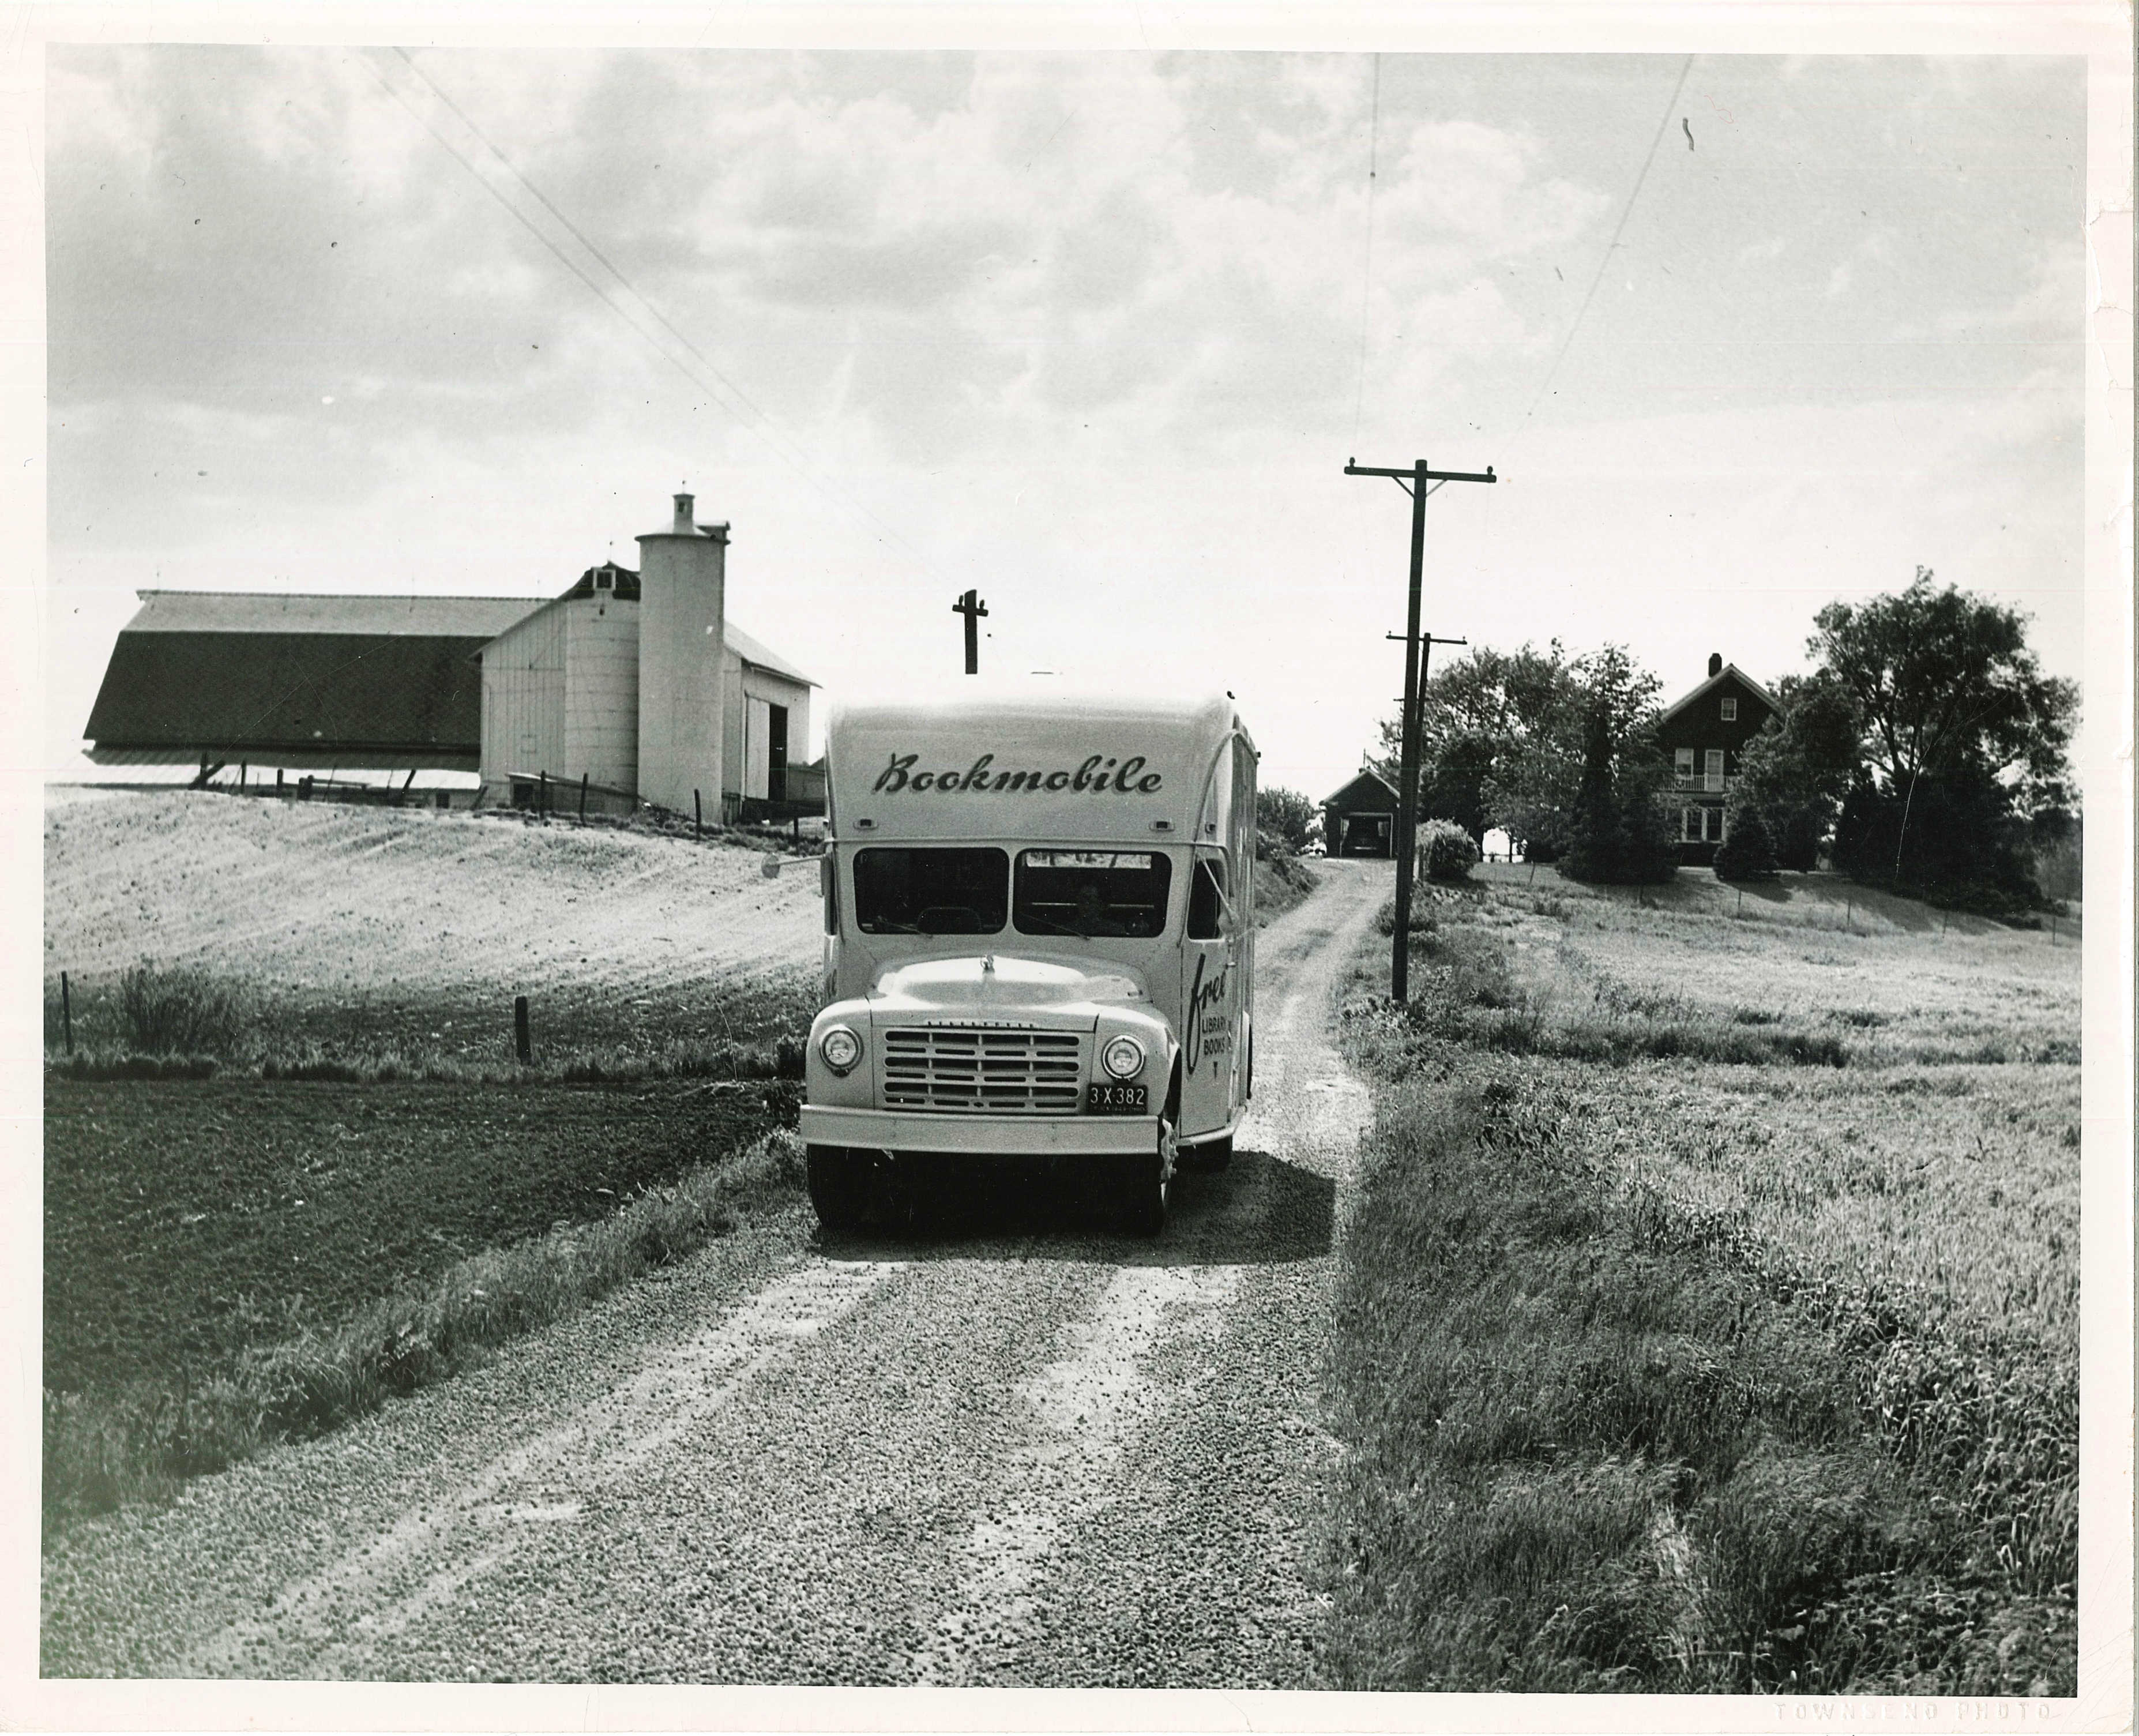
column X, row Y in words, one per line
column 1092, row 893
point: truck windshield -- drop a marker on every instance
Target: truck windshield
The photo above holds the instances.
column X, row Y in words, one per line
column 1090, row 892
column 931, row 891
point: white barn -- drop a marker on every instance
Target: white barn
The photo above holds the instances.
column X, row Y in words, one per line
column 638, row 684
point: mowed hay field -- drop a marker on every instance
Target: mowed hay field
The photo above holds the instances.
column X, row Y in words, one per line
column 417, row 927
column 347, row 1184
column 1710, row 1308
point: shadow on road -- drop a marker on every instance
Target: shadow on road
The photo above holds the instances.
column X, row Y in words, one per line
column 1259, row 1211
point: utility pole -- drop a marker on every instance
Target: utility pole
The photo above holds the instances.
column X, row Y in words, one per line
column 972, row 609
column 1427, row 642
column 1413, row 482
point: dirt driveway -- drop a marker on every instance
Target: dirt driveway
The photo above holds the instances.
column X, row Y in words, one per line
column 1017, row 1454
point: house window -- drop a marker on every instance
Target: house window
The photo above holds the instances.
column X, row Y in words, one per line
column 1729, row 711
column 1689, row 825
column 1686, row 765
column 1712, row 775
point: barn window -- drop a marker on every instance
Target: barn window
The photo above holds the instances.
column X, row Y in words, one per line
column 1729, row 711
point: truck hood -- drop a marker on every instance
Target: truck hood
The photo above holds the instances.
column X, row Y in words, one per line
column 1026, row 988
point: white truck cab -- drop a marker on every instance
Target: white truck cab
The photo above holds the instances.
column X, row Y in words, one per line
column 1039, row 943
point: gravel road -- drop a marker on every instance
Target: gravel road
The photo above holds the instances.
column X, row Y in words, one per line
column 1017, row 1452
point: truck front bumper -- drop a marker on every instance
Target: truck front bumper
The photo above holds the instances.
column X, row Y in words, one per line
column 1010, row 1136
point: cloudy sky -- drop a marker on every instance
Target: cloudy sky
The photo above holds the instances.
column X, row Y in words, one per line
column 1094, row 333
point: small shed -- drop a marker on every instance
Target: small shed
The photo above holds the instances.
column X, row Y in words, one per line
column 1360, row 820
column 768, row 732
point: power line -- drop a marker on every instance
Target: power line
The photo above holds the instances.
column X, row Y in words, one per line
column 1604, row 264
column 756, row 420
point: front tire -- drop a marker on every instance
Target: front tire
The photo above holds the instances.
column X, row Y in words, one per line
column 841, row 1186
column 1150, row 1184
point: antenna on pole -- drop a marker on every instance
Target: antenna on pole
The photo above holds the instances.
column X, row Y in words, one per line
column 972, row 609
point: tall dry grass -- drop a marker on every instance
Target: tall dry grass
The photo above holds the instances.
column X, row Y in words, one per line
column 1696, row 1369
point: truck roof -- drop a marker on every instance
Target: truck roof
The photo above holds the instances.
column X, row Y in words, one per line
column 1101, row 769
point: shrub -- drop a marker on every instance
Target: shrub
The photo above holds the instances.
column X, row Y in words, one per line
column 1285, row 814
column 1747, row 852
column 183, row 1012
column 1422, row 918
column 1445, row 851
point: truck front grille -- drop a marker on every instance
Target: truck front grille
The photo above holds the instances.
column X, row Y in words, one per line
column 985, row 1071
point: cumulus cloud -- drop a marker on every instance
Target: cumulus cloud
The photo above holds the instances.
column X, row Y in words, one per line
column 971, row 251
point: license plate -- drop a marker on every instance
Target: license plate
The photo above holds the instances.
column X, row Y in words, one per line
column 1117, row 1099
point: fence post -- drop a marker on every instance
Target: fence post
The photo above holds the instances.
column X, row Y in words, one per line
column 1741, row 901
column 542, row 796
column 66, row 1013
column 522, row 1046
column 698, row 816
column 583, row 798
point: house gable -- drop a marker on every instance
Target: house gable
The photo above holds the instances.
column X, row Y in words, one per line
column 1698, row 721
column 1368, row 793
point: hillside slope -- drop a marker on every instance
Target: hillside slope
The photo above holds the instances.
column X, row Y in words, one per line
column 315, row 898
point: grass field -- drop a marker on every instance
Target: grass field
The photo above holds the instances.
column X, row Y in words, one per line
column 186, row 1222
column 1710, row 1306
column 294, row 1165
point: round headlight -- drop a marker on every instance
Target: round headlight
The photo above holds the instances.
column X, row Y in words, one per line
column 840, row 1048
column 1123, row 1058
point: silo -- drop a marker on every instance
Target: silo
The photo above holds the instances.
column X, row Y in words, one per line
column 683, row 573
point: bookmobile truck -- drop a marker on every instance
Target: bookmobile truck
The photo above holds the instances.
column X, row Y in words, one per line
column 1039, row 946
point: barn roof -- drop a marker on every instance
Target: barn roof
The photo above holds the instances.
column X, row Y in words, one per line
column 309, row 680
column 298, row 680
column 1370, row 790
column 753, row 651
column 298, row 612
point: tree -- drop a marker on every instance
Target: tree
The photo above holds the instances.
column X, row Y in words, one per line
column 1618, row 830
column 1794, row 773
column 1747, row 852
column 1538, row 791
column 1594, row 843
column 1955, row 723
column 1480, row 716
column 1287, row 815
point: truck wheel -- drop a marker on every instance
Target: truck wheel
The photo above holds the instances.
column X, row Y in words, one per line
column 1150, row 1179
column 1213, row 1154
column 840, row 1185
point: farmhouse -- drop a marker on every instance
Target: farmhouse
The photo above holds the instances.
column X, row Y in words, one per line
column 1703, row 733
column 635, row 683
column 1360, row 820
